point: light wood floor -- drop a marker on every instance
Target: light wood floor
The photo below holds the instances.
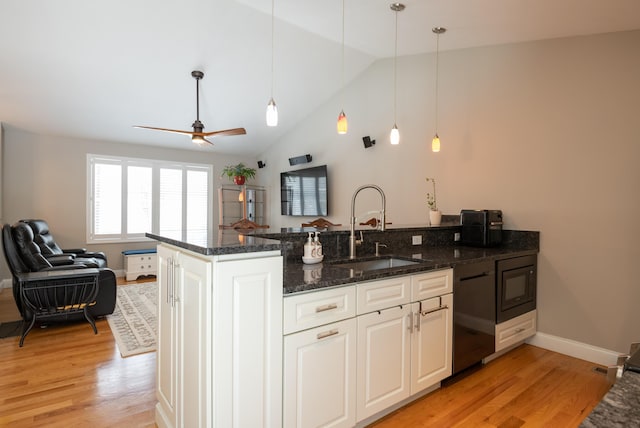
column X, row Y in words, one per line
column 66, row 376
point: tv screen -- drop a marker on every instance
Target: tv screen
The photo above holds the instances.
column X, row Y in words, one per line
column 304, row 192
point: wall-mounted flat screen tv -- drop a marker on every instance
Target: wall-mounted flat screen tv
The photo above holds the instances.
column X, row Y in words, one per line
column 304, row 192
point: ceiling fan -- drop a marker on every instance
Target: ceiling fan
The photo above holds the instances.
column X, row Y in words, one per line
column 197, row 135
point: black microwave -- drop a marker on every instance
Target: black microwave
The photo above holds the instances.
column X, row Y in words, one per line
column 516, row 286
column 481, row 228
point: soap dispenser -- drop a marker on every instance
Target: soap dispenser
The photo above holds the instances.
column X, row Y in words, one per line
column 318, row 245
column 309, row 247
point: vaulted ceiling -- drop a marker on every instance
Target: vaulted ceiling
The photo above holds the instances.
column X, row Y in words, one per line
column 93, row 69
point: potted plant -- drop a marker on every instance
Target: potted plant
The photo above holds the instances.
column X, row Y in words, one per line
column 435, row 216
column 238, row 173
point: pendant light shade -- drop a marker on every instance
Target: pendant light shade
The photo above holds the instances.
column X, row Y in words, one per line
column 272, row 110
column 394, row 136
column 435, row 143
column 342, row 126
column 272, row 113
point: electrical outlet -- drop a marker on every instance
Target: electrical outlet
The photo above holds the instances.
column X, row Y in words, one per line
column 416, row 240
column 456, row 236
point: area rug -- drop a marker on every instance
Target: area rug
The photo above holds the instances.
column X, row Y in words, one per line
column 134, row 321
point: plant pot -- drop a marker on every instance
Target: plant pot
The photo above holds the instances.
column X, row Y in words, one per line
column 239, row 180
column 435, row 217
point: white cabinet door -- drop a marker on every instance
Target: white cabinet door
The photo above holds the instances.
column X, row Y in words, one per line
column 183, row 354
column 247, row 311
column 320, row 376
column 193, row 298
column 167, row 349
column 431, row 345
column 384, row 345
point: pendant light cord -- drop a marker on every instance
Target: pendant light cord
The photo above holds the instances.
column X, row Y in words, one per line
column 395, row 79
column 342, row 83
column 272, row 45
column 437, row 73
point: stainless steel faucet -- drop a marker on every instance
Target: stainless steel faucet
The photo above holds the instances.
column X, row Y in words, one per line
column 352, row 235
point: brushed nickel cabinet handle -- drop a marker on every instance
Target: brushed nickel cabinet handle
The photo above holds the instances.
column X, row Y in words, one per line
column 327, row 334
column 520, row 330
column 439, row 308
column 328, row 307
column 168, row 279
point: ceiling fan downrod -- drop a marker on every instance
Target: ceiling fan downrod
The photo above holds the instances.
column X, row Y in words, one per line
column 197, row 125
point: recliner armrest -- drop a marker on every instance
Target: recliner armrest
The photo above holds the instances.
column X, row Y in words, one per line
column 56, row 274
column 82, row 252
column 60, row 259
column 74, row 266
column 74, row 250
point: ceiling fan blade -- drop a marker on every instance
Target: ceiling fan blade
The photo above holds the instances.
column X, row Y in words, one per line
column 177, row 131
column 233, row 131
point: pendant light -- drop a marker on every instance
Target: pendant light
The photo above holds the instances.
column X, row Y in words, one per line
column 394, row 136
column 272, row 110
column 342, row 125
column 435, row 143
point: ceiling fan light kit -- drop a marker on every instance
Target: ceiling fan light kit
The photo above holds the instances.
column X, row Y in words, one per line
column 198, row 135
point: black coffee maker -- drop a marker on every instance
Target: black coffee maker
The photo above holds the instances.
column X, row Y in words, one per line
column 481, row 228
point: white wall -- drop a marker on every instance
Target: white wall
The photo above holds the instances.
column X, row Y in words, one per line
column 546, row 131
column 46, row 178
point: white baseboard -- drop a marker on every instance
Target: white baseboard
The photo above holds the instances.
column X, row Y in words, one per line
column 575, row 349
column 6, row 283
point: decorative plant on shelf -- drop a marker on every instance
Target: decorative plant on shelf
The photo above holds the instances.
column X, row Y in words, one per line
column 435, row 216
column 431, row 197
column 238, row 173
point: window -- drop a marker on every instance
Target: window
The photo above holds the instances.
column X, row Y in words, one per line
column 129, row 197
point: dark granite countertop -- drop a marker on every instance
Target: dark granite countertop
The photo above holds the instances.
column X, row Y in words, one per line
column 438, row 251
column 300, row 277
column 620, row 406
column 220, row 242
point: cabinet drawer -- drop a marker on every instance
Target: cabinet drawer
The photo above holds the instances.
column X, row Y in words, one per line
column 431, row 284
column 141, row 262
column 377, row 295
column 317, row 308
column 515, row 330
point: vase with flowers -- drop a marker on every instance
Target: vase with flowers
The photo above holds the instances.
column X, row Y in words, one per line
column 435, row 215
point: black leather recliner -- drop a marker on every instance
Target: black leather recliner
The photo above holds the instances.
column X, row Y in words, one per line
column 23, row 256
column 56, row 255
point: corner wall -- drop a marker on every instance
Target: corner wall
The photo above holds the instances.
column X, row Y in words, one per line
column 546, row 131
column 45, row 177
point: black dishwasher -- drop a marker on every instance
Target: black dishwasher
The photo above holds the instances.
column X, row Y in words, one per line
column 474, row 313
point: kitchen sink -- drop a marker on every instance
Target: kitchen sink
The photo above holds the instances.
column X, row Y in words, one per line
column 376, row 264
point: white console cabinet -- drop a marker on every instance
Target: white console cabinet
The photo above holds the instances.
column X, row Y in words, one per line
column 219, row 357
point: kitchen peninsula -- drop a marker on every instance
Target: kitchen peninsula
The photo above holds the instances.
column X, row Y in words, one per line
column 222, row 331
